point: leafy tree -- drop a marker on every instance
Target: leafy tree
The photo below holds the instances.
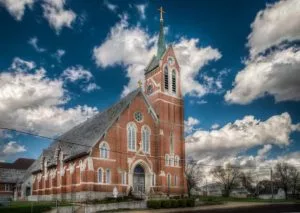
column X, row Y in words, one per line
column 228, row 177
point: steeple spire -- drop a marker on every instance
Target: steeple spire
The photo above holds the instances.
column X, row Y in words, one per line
column 161, row 47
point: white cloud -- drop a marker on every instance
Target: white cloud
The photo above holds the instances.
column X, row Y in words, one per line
column 263, row 151
column 33, row 42
column 189, row 124
column 141, row 8
column 91, row 87
column 59, row 54
column 76, row 73
column 133, row 47
column 278, row 22
column 110, row 6
column 57, row 16
column 21, row 65
column 241, row 135
column 275, row 74
column 215, row 126
column 31, row 101
column 17, row 7
column 12, row 147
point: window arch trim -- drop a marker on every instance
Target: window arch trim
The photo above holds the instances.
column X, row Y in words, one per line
column 129, row 143
column 144, row 128
column 104, row 154
column 102, row 175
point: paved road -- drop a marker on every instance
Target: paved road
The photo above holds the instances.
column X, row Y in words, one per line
column 275, row 208
column 233, row 207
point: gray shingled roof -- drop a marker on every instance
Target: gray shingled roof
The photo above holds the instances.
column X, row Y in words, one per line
column 152, row 65
column 80, row 139
column 11, row 175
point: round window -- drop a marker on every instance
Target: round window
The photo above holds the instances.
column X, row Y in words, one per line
column 138, row 116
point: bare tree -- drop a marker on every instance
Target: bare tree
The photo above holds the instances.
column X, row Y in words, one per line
column 286, row 176
column 294, row 180
column 193, row 175
column 247, row 182
column 228, row 177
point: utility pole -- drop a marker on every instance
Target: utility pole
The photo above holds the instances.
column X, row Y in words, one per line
column 271, row 173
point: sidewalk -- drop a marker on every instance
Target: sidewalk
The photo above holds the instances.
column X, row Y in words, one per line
column 227, row 205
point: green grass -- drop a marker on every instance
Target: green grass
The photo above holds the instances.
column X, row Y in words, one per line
column 27, row 206
column 233, row 199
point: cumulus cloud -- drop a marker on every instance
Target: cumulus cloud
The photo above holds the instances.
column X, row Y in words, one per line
column 273, row 65
column 275, row 74
column 76, row 73
column 278, row 22
column 241, row 135
column 190, row 123
column 57, row 16
column 21, row 65
column 141, row 8
column 215, row 126
column 110, row 6
column 133, row 47
column 31, row 101
column 12, row 147
column 263, row 151
column 17, row 8
column 91, row 87
column 33, row 42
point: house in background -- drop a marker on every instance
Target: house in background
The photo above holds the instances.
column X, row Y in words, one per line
column 10, row 174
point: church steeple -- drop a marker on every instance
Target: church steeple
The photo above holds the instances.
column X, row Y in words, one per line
column 161, row 46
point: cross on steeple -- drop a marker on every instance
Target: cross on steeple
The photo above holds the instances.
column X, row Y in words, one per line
column 161, row 13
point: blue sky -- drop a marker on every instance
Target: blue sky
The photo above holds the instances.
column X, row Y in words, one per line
column 63, row 61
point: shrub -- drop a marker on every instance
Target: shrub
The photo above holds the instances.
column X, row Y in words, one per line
column 154, row 204
column 181, row 203
column 166, row 204
column 174, row 203
column 190, row 202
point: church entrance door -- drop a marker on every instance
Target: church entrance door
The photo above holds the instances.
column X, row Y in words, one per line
column 139, row 179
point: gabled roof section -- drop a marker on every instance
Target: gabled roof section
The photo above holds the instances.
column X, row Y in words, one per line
column 152, row 65
column 89, row 132
column 80, row 139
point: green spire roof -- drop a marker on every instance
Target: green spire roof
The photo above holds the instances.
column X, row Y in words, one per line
column 161, row 46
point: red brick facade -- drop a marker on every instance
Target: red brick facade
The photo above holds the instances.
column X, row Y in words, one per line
column 163, row 165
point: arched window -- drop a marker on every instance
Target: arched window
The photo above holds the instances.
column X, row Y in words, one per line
column 166, row 78
column 100, row 175
column 124, row 177
column 131, row 136
column 173, row 81
column 167, row 159
column 153, row 179
column 107, row 175
column 171, row 143
column 176, row 180
column 146, row 139
column 169, row 180
column 104, row 150
column 176, row 161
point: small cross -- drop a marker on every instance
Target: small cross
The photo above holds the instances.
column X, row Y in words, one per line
column 140, row 83
column 161, row 13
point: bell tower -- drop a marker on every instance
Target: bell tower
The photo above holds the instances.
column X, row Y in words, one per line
column 163, row 89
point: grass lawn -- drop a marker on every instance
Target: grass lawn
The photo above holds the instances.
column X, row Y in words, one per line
column 233, row 199
column 27, row 206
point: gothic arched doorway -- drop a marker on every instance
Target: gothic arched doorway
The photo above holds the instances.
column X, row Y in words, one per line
column 139, row 179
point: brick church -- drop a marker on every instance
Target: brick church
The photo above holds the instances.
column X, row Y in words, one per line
column 135, row 146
